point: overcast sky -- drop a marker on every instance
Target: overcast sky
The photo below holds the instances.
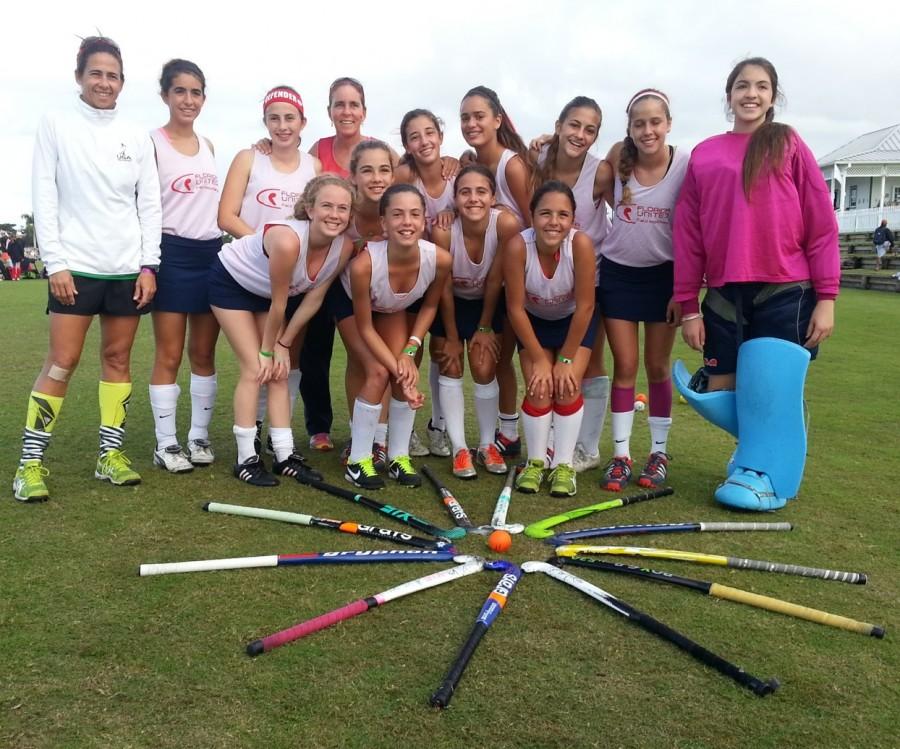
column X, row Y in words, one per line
column 839, row 76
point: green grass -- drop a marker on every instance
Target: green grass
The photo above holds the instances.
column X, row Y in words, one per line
column 95, row 656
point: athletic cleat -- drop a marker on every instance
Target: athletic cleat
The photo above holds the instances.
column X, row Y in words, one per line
column 531, row 476
column 562, row 481
column 115, row 467
column 490, row 457
column 172, row 459
column 507, row 448
column 438, row 443
column 417, row 448
column 200, row 452
column 379, row 456
column 345, row 452
column 252, row 471
column 616, row 475
column 28, row 484
column 295, row 466
column 321, row 441
column 257, row 440
column 402, row 471
column 364, row 475
column 462, row 465
column 582, row 461
column 654, row 473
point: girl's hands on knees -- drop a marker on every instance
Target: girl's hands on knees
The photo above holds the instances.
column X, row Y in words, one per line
column 62, row 286
column 693, row 332
column 407, row 372
column 451, row 353
column 821, row 324
column 564, row 382
column 484, row 343
column 540, row 385
column 282, row 365
column 266, row 367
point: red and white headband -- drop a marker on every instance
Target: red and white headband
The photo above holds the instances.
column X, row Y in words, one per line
column 284, row 95
column 646, row 92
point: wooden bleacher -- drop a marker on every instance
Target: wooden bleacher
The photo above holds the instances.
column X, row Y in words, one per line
column 858, row 264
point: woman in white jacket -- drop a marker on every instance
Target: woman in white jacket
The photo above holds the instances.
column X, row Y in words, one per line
column 97, row 215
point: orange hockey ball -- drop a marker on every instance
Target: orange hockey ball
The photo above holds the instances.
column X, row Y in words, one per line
column 641, row 397
column 499, row 541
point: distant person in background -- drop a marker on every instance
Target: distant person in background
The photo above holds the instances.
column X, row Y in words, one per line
column 98, row 220
column 16, row 256
column 883, row 239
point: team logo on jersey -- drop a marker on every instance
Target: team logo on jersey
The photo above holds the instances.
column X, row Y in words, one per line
column 188, row 184
column 625, row 212
column 268, row 197
column 123, row 154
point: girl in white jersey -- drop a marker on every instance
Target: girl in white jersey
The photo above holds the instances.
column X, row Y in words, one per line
column 488, row 129
column 549, row 276
column 97, row 218
column 636, row 282
column 261, row 188
column 257, row 284
column 470, row 312
column 396, row 286
column 564, row 156
column 191, row 240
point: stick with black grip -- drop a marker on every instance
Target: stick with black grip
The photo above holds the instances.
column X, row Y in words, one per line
column 450, row 502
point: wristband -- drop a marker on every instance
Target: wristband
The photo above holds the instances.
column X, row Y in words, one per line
column 149, row 269
column 563, row 359
column 416, row 340
column 695, row 316
column 485, row 329
column 283, row 345
column 411, row 350
column 267, row 354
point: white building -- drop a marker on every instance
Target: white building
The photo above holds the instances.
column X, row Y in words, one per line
column 864, row 178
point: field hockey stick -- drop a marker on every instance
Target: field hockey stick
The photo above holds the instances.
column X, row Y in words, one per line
column 756, row 685
column 292, row 560
column 572, row 550
column 646, row 528
column 501, row 509
column 468, row 565
column 732, row 594
column 541, row 529
column 401, row 516
column 491, row 609
column 344, row 526
column 450, row 502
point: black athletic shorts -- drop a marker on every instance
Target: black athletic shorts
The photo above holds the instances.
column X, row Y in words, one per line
column 100, row 296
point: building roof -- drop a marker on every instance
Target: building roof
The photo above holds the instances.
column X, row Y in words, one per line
column 881, row 147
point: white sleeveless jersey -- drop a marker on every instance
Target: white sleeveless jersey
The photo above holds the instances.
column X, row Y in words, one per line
column 189, row 187
column 590, row 217
column 504, row 196
column 246, row 261
column 549, row 298
column 433, row 206
column 641, row 233
column 271, row 195
column 469, row 278
column 382, row 296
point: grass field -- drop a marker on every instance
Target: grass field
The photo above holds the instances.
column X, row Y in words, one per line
column 95, row 656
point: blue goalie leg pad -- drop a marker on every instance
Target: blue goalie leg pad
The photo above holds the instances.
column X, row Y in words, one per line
column 771, row 452
column 717, row 407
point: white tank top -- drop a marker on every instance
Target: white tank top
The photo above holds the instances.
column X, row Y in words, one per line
column 271, row 195
column 433, row 206
column 469, row 277
column 189, row 187
column 549, row 298
column 641, row 233
column 246, row 261
column 383, row 297
column 504, row 196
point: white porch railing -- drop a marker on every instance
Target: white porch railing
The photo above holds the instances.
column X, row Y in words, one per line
column 866, row 219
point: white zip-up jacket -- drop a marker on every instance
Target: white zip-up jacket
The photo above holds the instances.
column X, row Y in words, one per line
column 95, row 193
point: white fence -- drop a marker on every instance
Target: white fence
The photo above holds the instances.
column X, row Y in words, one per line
column 867, row 219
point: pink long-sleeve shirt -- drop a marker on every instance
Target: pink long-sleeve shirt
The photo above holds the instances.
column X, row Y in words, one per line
column 786, row 232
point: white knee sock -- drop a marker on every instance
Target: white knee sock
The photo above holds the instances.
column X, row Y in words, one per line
column 596, row 399
column 565, row 432
column 487, row 406
column 400, row 425
column 536, row 425
column 438, row 410
column 163, row 403
column 282, row 442
column 293, row 386
column 659, row 433
column 244, row 437
column 362, row 433
column 621, row 433
column 509, row 425
column 381, row 433
column 452, row 397
column 203, row 398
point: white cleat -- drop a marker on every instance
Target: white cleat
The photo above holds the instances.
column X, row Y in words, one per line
column 200, row 452
column 172, row 459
